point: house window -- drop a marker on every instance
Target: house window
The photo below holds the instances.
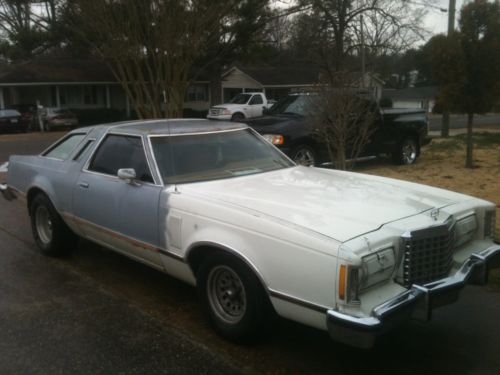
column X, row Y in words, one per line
column 197, row 93
column 94, row 95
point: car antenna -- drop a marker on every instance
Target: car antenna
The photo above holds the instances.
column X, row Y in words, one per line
column 169, row 140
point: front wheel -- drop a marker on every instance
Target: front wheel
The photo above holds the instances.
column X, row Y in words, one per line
column 51, row 234
column 233, row 298
column 407, row 152
column 237, row 117
column 304, row 155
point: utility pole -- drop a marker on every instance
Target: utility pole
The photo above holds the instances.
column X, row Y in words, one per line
column 445, row 125
column 363, row 68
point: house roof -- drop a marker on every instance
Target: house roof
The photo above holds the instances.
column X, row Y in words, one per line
column 424, row 92
column 273, row 76
column 52, row 70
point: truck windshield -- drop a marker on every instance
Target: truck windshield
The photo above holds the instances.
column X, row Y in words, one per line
column 292, row 104
column 213, row 156
column 241, row 99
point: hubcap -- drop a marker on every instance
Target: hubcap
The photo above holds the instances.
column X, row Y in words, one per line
column 304, row 157
column 226, row 294
column 409, row 153
column 43, row 224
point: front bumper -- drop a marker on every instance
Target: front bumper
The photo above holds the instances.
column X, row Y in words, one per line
column 417, row 302
column 7, row 192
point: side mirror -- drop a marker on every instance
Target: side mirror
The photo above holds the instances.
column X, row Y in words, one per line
column 127, row 174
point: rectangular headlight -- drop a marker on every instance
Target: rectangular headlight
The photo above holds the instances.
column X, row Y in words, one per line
column 465, row 229
column 377, row 267
column 489, row 224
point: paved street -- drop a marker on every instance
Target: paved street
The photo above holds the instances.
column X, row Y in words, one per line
column 98, row 312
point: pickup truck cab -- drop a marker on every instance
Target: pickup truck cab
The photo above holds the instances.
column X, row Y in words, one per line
column 242, row 106
column 398, row 132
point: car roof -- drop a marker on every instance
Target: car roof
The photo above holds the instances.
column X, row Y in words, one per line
column 170, row 126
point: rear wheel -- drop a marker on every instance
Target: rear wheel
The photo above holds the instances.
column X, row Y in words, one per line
column 51, row 234
column 407, row 152
column 233, row 298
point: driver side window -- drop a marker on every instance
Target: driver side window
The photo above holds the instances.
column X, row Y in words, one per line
column 119, row 151
column 256, row 99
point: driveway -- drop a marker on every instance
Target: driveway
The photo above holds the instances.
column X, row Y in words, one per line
column 98, row 312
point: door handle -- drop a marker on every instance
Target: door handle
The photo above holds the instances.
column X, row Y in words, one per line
column 84, row 185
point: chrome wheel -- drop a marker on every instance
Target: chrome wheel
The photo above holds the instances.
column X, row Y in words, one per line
column 226, row 294
column 304, row 156
column 43, row 224
column 409, row 152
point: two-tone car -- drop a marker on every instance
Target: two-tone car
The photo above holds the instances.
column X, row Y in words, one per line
column 217, row 206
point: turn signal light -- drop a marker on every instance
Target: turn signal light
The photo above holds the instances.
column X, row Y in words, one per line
column 342, row 281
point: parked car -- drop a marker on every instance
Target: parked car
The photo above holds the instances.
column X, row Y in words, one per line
column 28, row 114
column 242, row 106
column 214, row 204
column 399, row 132
column 12, row 120
column 58, row 117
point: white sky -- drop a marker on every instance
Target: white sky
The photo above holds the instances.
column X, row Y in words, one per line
column 436, row 21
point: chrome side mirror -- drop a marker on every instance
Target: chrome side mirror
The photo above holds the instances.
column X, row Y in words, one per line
column 127, row 174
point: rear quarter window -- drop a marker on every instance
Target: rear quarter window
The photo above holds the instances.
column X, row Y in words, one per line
column 63, row 149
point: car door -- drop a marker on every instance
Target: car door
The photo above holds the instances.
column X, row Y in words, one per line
column 112, row 212
column 256, row 106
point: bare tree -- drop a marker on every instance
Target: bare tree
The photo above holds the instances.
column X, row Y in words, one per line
column 155, row 47
column 343, row 117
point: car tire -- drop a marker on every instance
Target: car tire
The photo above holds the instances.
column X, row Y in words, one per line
column 233, row 299
column 237, row 117
column 304, row 155
column 52, row 236
column 407, row 152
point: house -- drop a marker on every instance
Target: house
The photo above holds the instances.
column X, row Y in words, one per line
column 413, row 97
column 277, row 82
column 89, row 84
column 78, row 84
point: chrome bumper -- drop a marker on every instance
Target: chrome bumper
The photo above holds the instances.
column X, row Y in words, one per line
column 7, row 192
column 415, row 303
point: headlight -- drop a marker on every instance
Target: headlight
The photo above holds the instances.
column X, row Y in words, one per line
column 275, row 139
column 465, row 229
column 226, row 111
column 489, row 224
column 377, row 267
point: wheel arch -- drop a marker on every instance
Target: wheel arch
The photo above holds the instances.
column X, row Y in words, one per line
column 199, row 251
column 238, row 113
column 32, row 193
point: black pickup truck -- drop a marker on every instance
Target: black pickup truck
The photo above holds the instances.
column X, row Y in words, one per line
column 399, row 132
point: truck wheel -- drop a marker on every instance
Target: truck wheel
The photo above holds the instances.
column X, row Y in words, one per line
column 304, row 155
column 51, row 234
column 233, row 299
column 237, row 117
column 407, row 152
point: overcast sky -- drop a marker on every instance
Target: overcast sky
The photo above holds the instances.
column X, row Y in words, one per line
column 437, row 21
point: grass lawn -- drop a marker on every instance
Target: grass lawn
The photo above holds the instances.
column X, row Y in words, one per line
column 442, row 164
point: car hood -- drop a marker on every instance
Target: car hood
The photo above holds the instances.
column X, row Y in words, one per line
column 340, row 205
column 229, row 106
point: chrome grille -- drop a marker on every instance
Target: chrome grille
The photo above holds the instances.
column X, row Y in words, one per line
column 427, row 254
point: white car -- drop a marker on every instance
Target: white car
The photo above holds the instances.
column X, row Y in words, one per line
column 216, row 205
column 242, row 106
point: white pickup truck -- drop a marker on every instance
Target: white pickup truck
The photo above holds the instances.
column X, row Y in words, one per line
column 242, row 106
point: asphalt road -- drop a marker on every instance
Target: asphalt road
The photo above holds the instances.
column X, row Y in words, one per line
column 460, row 121
column 98, row 312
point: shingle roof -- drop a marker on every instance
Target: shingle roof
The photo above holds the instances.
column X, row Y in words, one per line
column 269, row 76
column 55, row 70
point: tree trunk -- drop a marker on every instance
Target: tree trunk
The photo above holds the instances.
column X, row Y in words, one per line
column 445, row 124
column 469, row 162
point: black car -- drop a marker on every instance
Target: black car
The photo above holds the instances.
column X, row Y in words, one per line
column 399, row 132
column 12, row 120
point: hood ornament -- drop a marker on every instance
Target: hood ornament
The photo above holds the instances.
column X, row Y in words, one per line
column 435, row 213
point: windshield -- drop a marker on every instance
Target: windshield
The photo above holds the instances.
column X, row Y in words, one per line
column 292, row 104
column 240, row 99
column 213, row 156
